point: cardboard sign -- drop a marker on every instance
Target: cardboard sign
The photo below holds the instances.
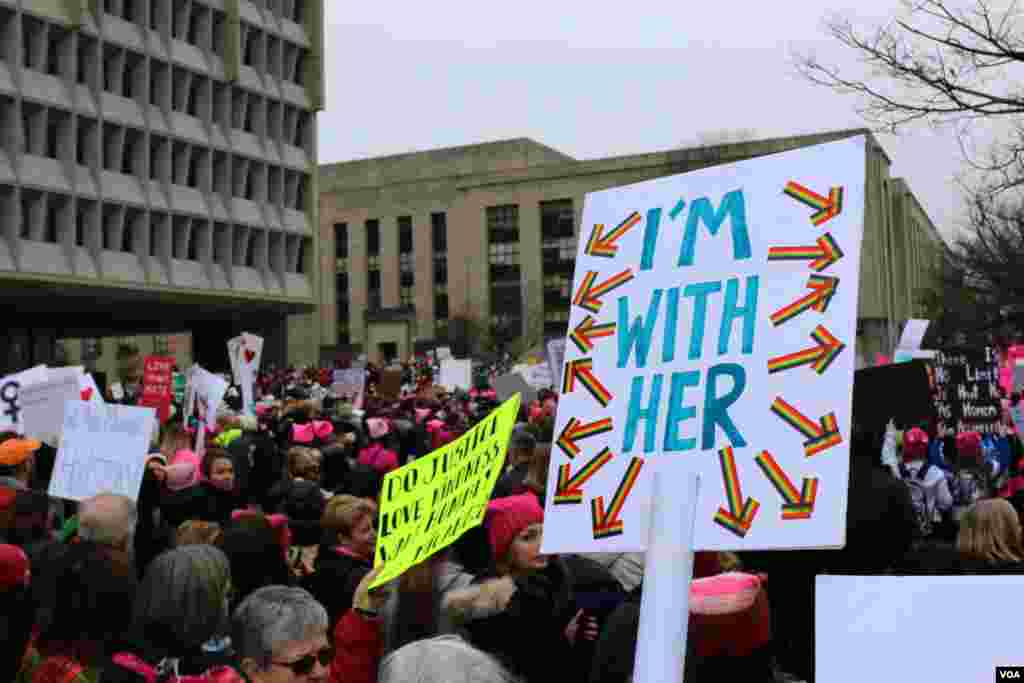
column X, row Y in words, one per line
column 156, row 385
column 103, row 450
column 428, row 504
column 714, row 320
column 456, row 374
column 390, row 386
column 11, row 414
column 967, row 390
column 851, row 645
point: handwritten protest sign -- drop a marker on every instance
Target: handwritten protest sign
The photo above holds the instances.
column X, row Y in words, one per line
column 967, row 390
column 43, row 403
column 250, row 355
column 428, row 504
column 11, row 414
column 714, row 318
column 456, row 374
column 156, row 385
column 103, row 450
column 348, row 383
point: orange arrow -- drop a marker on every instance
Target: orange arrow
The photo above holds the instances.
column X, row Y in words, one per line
column 821, row 256
column 822, row 287
column 604, row 245
column 741, row 513
column 796, row 504
column 819, row 357
column 826, row 208
column 606, row 522
column 583, row 370
column 589, row 294
column 587, row 331
column 821, row 435
column 569, row 490
column 577, row 431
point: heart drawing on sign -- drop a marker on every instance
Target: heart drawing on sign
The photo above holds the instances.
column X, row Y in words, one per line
column 86, row 394
column 249, row 355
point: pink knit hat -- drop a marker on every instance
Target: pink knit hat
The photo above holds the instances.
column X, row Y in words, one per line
column 506, row 519
column 14, row 567
column 378, row 426
column 183, row 472
column 915, row 444
column 968, row 445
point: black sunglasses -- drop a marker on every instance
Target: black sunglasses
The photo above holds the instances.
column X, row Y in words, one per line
column 304, row 666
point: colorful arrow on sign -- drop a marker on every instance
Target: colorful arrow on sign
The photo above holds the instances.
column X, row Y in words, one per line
column 796, row 504
column 584, row 334
column 604, row 245
column 569, row 490
column 606, row 522
column 821, row 256
column 577, row 431
column 741, row 513
column 820, row 435
column 589, row 295
column 583, row 370
column 822, row 287
column 819, row 357
column 826, row 208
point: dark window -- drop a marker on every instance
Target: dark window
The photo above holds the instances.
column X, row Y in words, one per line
column 405, row 234
column 373, row 237
column 439, row 231
column 558, row 259
column 341, row 240
column 373, row 279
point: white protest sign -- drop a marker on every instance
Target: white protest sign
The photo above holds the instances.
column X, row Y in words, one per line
column 538, row 376
column 443, row 353
column 349, row 383
column 456, row 374
column 11, row 414
column 913, row 335
column 556, row 356
column 866, row 625
column 714, row 318
column 206, row 393
column 103, row 450
column 234, row 346
column 250, row 355
column 87, row 388
column 43, row 403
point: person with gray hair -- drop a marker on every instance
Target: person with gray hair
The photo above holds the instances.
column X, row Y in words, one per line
column 280, row 636
column 108, row 519
column 444, row 659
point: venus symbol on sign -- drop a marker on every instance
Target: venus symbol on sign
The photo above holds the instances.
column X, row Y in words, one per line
column 9, row 395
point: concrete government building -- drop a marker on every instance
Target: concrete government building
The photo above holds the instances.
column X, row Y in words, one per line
column 488, row 232
column 158, row 175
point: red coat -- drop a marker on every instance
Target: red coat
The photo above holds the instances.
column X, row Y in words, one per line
column 359, row 646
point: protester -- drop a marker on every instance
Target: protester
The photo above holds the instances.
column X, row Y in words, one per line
column 346, row 554
column 281, row 635
column 17, row 611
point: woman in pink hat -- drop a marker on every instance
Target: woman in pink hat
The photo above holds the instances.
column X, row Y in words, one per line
column 379, row 454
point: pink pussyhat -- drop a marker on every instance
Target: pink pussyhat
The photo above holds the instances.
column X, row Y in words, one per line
column 183, row 472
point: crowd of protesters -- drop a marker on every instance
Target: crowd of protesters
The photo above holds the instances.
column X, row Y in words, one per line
column 254, row 561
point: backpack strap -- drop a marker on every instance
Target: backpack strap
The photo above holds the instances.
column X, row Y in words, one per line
column 904, row 472
column 136, row 665
column 923, row 472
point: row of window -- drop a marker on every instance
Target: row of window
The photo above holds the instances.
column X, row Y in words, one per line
column 57, row 218
column 53, row 133
column 205, row 28
column 130, row 74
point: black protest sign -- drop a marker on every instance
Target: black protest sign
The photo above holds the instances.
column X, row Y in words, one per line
column 900, row 393
column 966, row 389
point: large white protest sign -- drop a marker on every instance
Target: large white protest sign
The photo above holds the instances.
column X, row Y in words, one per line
column 250, row 355
column 713, row 320
column 43, row 403
column 103, row 450
column 11, row 413
column 205, row 394
column 456, row 374
column 866, row 626
column 234, row 346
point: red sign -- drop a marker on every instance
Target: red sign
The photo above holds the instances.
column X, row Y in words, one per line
column 156, row 385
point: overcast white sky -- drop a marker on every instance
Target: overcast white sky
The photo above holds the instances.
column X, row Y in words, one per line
column 597, row 80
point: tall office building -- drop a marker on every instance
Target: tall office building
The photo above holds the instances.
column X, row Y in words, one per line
column 158, row 172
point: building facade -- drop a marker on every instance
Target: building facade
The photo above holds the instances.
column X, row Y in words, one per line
column 158, row 173
column 487, row 233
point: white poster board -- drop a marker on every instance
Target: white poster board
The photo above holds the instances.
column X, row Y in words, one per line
column 233, row 348
column 913, row 335
column 103, row 450
column 87, row 388
column 866, row 628
column 11, row 413
column 443, row 353
column 349, row 383
column 43, row 403
column 714, row 319
column 457, row 374
column 556, row 358
column 538, row 376
column 250, row 354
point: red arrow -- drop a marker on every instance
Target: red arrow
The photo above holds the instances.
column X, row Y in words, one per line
column 821, row 256
column 569, row 490
column 589, row 294
column 819, row 357
column 604, row 245
column 826, row 208
column 586, row 332
column 741, row 513
column 606, row 522
column 822, row 287
column 583, row 370
column 821, row 435
column 577, row 431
